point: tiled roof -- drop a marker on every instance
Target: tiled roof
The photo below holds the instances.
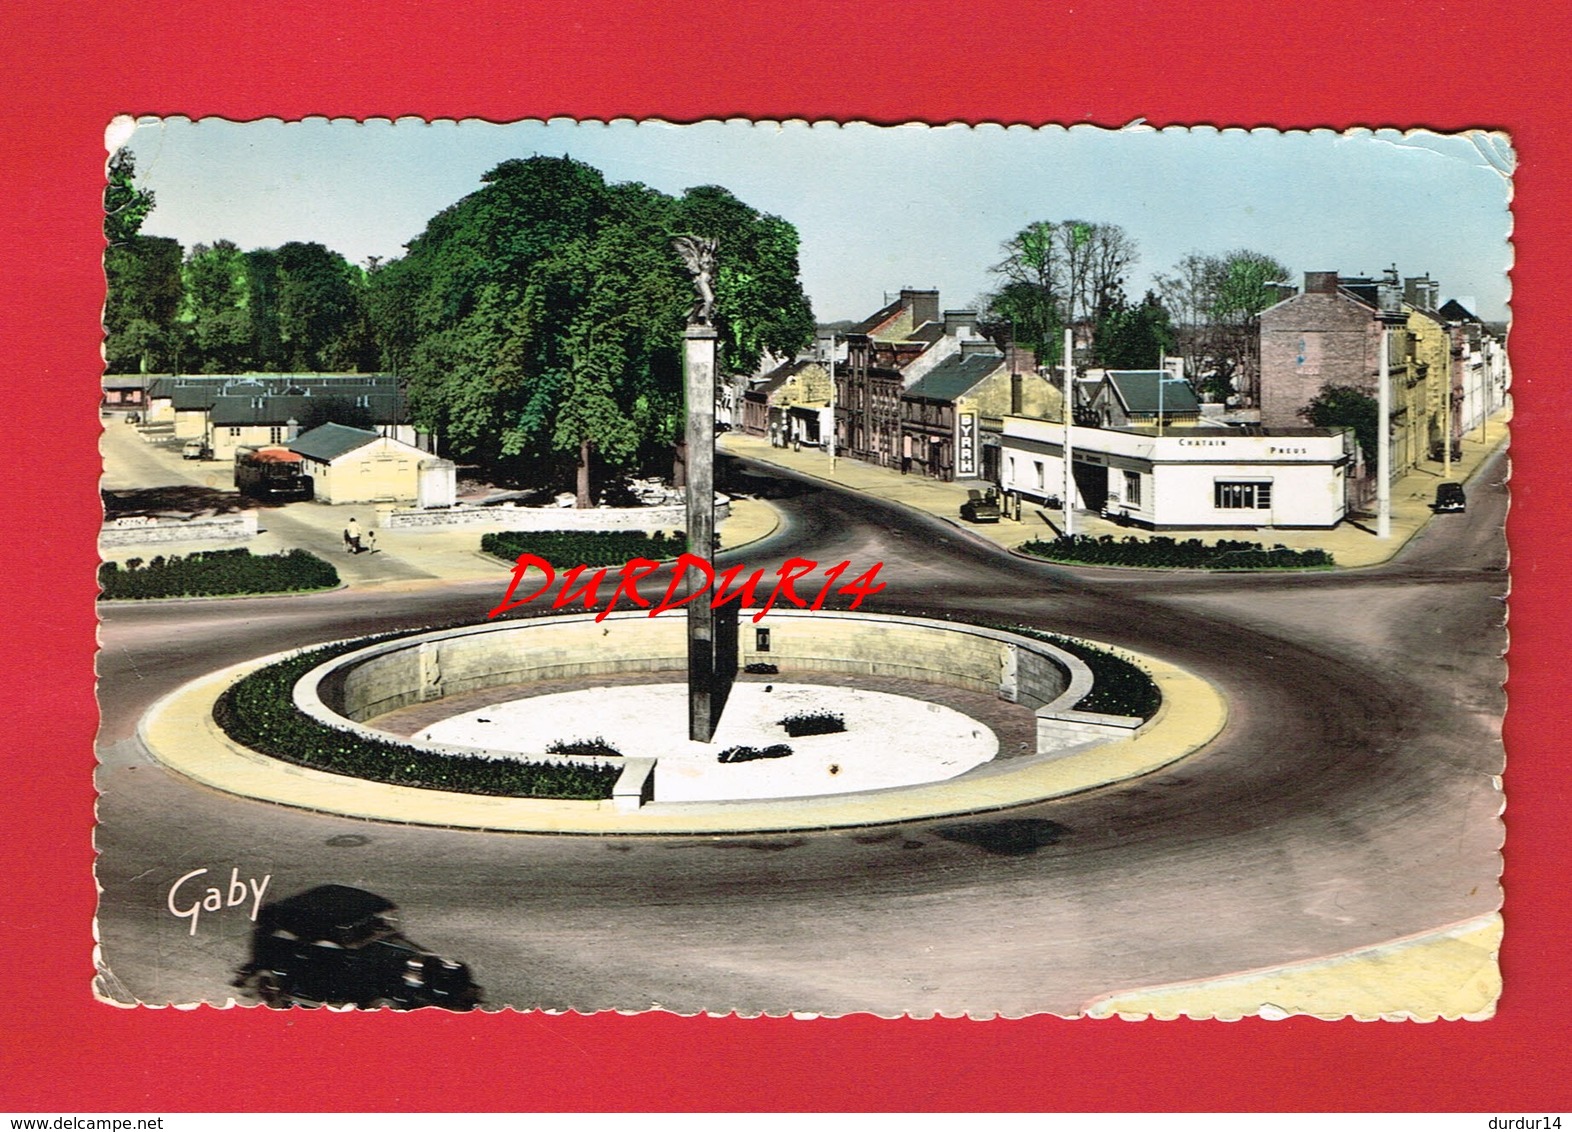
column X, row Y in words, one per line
column 1454, row 311
column 1137, row 390
column 328, row 442
column 779, row 376
column 877, row 319
column 954, row 376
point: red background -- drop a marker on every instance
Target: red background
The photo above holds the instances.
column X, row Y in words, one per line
column 1338, row 63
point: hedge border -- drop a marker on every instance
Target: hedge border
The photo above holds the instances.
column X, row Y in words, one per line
column 202, row 573
column 259, row 712
column 1161, row 552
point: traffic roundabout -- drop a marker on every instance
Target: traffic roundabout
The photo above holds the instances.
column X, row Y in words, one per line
column 899, row 757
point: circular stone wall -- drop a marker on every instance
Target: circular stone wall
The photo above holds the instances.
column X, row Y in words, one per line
column 389, row 675
column 1074, row 750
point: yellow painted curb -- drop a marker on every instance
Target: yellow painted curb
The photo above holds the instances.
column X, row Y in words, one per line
column 1452, row 973
column 180, row 733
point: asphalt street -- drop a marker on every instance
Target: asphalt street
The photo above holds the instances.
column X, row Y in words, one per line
column 1350, row 801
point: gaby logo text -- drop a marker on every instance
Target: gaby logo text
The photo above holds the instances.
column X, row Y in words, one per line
column 723, row 590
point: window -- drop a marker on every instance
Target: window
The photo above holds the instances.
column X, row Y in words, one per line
column 234, row 430
column 1228, row 495
column 1132, row 488
column 761, row 640
column 1038, row 464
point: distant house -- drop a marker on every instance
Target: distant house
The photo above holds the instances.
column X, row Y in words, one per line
column 1331, row 334
column 351, row 465
column 230, row 411
column 123, row 392
column 790, row 404
column 1128, row 397
column 1198, row 477
column 887, row 353
column 952, row 418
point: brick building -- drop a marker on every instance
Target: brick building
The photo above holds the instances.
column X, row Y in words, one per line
column 1330, row 335
column 952, row 418
column 887, row 353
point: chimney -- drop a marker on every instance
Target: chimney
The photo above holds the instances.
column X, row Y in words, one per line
column 924, row 305
column 959, row 324
column 1320, row 282
column 973, row 346
column 291, row 429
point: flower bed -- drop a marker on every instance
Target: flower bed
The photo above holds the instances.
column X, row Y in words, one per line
column 749, row 754
column 814, row 723
column 215, row 573
column 1162, row 552
column 589, row 548
column 259, row 712
column 1118, row 686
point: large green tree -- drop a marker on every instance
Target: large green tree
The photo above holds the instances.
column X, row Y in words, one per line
column 1344, row 406
column 1053, row 274
column 540, row 319
column 1216, row 301
column 214, row 318
column 141, row 334
column 1133, row 337
column 322, row 323
column 125, row 205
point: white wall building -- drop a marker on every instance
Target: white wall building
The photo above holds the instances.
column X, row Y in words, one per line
column 1189, row 477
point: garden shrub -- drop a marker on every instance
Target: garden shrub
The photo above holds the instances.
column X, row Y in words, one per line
column 1163, row 552
column 587, row 548
column 213, row 573
column 259, row 712
column 814, row 723
column 1119, row 687
column 748, row 754
column 594, row 748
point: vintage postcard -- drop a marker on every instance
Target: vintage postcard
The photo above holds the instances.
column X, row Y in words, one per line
column 810, row 568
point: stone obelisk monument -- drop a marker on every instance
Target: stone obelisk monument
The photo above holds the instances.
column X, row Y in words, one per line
column 698, row 365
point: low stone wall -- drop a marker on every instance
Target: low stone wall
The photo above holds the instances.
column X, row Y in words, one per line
column 139, row 531
column 506, row 516
column 383, row 677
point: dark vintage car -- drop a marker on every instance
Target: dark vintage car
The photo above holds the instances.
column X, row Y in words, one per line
column 981, row 507
column 339, row 946
column 1449, row 497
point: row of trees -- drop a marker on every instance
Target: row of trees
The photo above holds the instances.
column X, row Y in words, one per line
column 537, row 322
column 217, row 309
column 1073, row 273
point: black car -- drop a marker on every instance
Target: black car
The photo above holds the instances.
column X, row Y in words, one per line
column 339, row 946
column 1449, row 497
column 980, row 507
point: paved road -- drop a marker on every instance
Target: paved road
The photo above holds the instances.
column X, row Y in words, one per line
column 1348, row 802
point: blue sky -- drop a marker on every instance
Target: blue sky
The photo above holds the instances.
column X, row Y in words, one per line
column 880, row 208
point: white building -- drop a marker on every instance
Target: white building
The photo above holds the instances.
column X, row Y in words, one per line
column 1190, row 477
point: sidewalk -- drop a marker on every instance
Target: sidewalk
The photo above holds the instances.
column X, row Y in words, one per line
column 1352, row 543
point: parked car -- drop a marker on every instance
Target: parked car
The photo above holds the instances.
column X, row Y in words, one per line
column 196, row 450
column 1449, row 497
column 339, row 946
column 980, row 507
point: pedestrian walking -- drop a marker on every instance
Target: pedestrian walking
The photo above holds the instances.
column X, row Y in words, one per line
column 371, row 541
column 352, row 533
column 346, row 541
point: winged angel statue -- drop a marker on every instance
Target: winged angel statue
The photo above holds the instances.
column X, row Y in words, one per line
column 698, row 254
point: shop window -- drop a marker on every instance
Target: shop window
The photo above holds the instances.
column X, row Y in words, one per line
column 1229, row 495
